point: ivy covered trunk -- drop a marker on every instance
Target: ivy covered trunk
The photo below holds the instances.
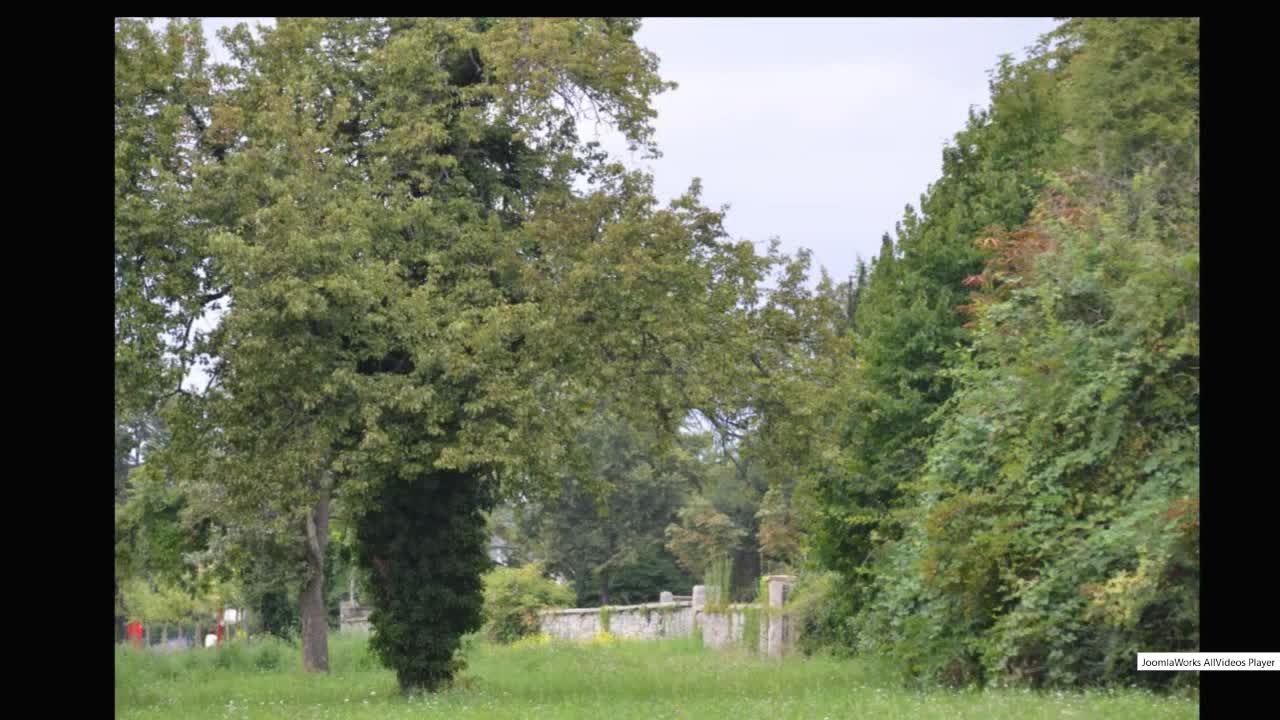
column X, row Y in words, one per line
column 425, row 548
column 315, row 624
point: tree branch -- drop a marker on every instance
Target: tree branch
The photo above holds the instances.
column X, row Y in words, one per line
column 217, row 295
column 755, row 360
column 195, row 117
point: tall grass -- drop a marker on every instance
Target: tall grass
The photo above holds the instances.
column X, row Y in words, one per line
column 618, row 680
column 718, row 580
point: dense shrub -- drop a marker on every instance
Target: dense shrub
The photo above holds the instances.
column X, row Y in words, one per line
column 1057, row 530
column 513, row 597
column 1021, row 500
column 269, row 655
column 819, row 614
column 425, row 549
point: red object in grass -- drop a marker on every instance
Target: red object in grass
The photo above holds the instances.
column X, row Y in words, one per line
column 134, row 632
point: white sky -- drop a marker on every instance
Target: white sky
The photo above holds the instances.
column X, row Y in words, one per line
column 820, row 131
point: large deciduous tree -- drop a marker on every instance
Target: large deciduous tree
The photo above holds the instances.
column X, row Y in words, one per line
column 423, row 303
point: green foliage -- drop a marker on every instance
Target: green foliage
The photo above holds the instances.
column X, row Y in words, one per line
column 153, row 536
column 908, row 324
column 779, row 533
column 270, row 574
column 653, row 571
column 718, row 582
column 162, row 275
column 1095, row 411
column 735, row 487
column 268, row 657
column 603, row 530
column 703, row 533
column 1048, row 525
column 427, row 548
column 416, row 284
column 992, row 438
column 856, row 287
column 1022, row 495
column 786, row 433
column 751, row 615
column 819, row 613
column 231, row 655
column 1148, row 71
column 513, row 597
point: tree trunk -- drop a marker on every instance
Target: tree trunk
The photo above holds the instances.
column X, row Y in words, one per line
column 604, row 571
column 315, row 625
column 146, row 635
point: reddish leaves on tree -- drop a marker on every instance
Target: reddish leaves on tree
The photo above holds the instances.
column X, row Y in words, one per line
column 1012, row 254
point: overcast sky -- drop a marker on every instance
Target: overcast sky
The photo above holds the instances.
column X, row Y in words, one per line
column 817, row 132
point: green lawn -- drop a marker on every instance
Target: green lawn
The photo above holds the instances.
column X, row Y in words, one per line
column 649, row 680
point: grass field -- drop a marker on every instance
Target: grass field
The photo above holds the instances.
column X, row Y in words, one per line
column 599, row 681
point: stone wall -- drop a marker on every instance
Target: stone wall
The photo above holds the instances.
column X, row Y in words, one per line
column 669, row 618
column 641, row 622
column 352, row 617
column 726, row 628
column 683, row 618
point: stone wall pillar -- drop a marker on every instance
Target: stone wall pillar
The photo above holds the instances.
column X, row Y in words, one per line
column 778, row 637
column 699, row 597
column 666, row 596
